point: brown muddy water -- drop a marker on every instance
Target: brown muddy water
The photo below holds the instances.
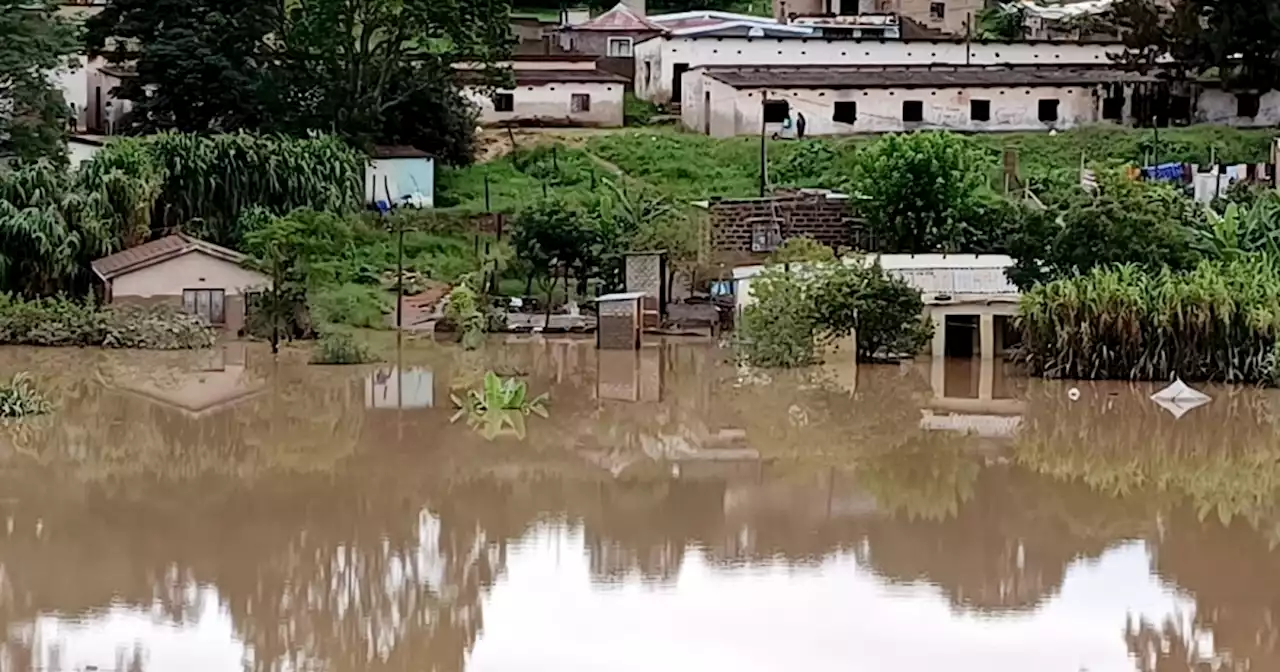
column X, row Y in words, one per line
column 226, row 512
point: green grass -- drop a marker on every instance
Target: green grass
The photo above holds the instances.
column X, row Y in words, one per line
column 689, row 166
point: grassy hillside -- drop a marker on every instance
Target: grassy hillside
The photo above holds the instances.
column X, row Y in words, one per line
column 689, row 166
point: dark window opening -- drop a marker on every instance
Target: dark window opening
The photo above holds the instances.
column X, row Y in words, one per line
column 580, row 102
column 1049, row 110
column 1180, row 108
column 206, row 303
column 980, row 110
column 1113, row 108
column 846, row 112
column 504, row 102
column 912, row 110
column 1246, row 104
column 776, row 111
column 937, row 11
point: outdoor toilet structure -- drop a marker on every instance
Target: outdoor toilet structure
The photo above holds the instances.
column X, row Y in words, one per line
column 619, row 322
column 646, row 272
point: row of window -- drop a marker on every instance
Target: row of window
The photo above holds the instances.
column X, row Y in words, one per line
column 506, row 102
column 846, row 111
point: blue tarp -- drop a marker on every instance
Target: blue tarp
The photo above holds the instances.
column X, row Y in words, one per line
column 1166, row 172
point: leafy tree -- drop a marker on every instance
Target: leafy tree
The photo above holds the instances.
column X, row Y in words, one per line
column 200, row 64
column 286, row 249
column 922, row 192
column 372, row 71
column 33, row 113
column 780, row 329
column 1001, row 22
column 554, row 235
column 1125, row 222
column 883, row 312
column 1234, row 41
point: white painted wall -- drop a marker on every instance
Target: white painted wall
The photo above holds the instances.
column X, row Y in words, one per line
column 193, row 270
column 656, row 58
column 553, row 101
column 1215, row 106
column 879, row 110
column 73, row 82
column 79, row 152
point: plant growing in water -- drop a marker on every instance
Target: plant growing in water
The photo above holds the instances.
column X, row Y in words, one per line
column 499, row 407
column 19, row 398
column 464, row 311
column 341, row 348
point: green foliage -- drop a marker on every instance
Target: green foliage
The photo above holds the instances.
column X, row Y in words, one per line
column 37, row 40
column 552, row 233
column 1001, row 22
column 499, row 408
column 350, row 304
column 340, row 347
column 62, row 322
column 636, row 111
column 370, row 71
column 780, row 329
column 816, row 297
column 1126, row 222
column 801, row 248
column 921, row 192
column 1218, row 321
column 464, row 311
column 20, row 398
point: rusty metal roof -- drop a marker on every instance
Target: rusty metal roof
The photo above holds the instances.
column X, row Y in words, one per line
column 620, row 18
column 854, row 77
column 156, row 251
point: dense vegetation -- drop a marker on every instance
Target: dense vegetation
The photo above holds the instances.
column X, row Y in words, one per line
column 62, row 322
column 370, row 71
column 37, row 40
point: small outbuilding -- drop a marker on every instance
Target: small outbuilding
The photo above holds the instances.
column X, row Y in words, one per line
column 406, row 174
column 201, row 278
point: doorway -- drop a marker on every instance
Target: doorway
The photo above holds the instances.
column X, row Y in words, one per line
column 706, row 113
column 961, row 333
column 677, row 78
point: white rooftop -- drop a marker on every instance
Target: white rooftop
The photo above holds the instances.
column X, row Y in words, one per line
column 620, row 296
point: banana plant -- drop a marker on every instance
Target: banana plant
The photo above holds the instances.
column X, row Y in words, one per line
column 499, row 407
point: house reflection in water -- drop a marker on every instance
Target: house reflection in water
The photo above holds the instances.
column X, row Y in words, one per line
column 977, row 396
column 215, row 380
column 391, row 387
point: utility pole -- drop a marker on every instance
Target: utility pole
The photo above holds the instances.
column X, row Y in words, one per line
column 764, row 157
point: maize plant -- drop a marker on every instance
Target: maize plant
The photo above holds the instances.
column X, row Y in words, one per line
column 1218, row 321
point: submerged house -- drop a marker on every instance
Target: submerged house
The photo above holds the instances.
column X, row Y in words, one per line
column 199, row 277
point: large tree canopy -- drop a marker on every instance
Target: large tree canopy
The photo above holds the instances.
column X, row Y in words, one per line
column 372, row 71
column 1235, row 41
column 34, row 41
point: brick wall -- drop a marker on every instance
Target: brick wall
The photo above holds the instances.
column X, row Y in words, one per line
column 734, row 221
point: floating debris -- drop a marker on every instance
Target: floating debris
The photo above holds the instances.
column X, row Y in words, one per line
column 1179, row 398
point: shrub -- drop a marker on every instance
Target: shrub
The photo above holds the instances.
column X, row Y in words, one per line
column 341, row 348
column 155, row 328
column 637, row 112
column 352, row 305
column 463, row 310
column 800, row 305
column 20, row 398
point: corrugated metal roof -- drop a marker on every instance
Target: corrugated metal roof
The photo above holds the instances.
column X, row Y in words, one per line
column 156, row 251
column 620, row 18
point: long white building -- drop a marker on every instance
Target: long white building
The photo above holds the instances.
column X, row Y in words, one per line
column 661, row 62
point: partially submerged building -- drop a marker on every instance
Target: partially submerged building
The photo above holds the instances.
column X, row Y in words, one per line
column 199, row 277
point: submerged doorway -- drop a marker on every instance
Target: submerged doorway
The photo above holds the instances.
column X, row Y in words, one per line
column 961, row 335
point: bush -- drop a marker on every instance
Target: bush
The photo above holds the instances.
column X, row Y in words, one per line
column 154, row 328
column 798, row 307
column 341, row 348
column 637, row 112
column 352, row 305
column 463, row 310
column 20, row 398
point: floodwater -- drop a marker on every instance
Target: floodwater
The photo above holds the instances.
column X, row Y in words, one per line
column 215, row 512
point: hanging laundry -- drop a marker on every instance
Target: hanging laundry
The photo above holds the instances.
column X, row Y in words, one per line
column 1165, row 172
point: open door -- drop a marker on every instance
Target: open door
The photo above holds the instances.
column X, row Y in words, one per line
column 677, row 88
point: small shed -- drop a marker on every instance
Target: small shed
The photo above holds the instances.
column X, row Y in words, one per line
column 646, row 272
column 201, row 278
column 619, row 321
column 406, row 173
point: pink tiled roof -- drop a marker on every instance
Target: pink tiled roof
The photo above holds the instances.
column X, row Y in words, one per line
column 620, row 18
column 156, row 251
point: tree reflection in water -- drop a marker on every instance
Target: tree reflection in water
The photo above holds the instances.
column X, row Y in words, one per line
column 343, row 537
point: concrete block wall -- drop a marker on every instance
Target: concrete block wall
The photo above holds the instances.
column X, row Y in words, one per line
column 826, row 220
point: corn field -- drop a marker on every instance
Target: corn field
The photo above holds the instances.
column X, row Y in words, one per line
column 1217, row 322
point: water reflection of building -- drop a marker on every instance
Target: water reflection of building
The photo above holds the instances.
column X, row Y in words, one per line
column 199, row 384
column 980, row 396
